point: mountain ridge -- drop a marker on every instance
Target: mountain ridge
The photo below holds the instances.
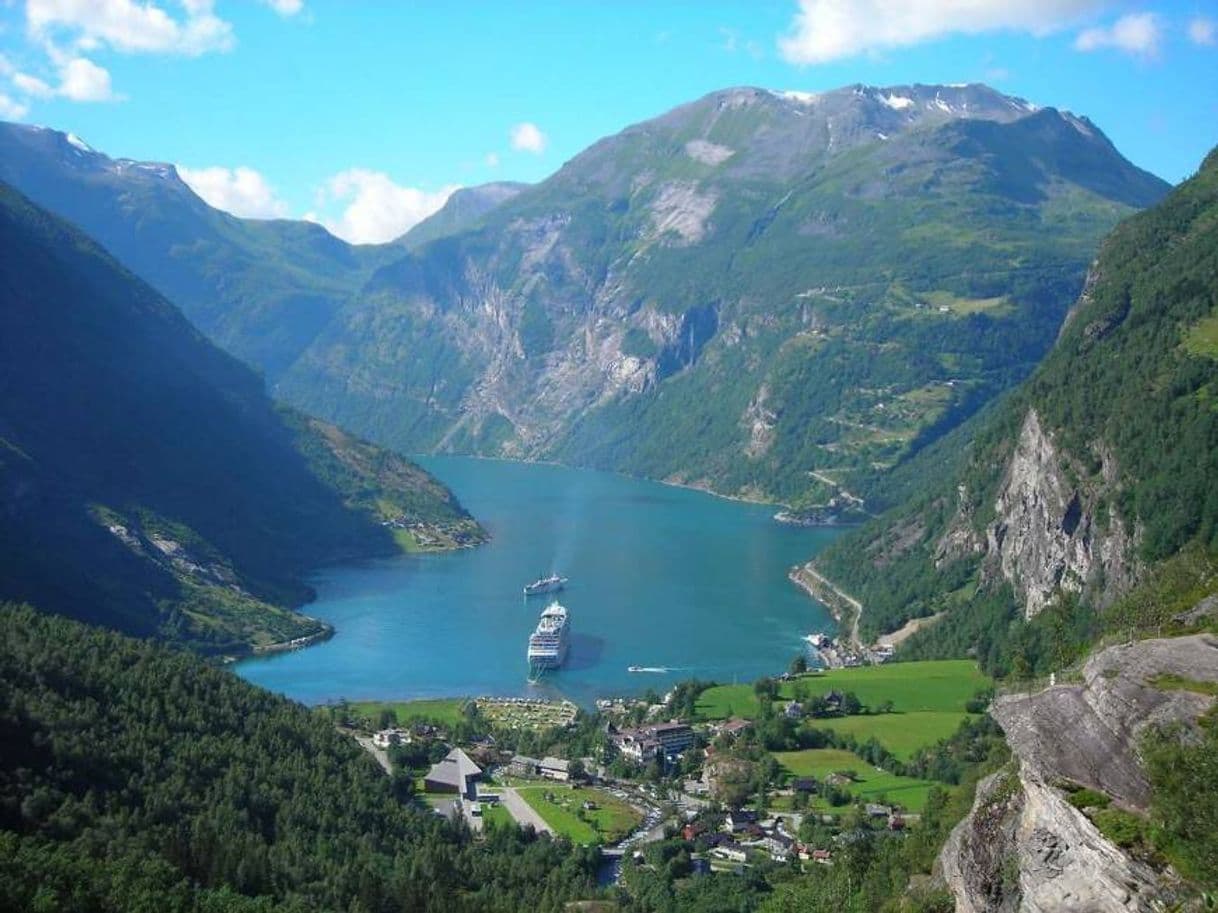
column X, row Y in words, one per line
column 783, row 239
column 146, row 481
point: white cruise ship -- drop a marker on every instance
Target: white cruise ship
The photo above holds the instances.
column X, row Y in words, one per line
column 548, row 642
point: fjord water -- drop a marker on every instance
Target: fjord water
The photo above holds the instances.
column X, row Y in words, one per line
column 660, row 577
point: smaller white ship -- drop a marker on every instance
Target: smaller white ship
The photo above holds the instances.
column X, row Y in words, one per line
column 551, row 584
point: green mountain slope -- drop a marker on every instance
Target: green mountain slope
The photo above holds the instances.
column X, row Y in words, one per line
column 262, row 289
column 135, row 778
column 146, row 482
column 749, row 290
column 461, row 212
column 1096, row 473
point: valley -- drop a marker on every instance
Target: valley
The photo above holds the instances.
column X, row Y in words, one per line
column 868, row 437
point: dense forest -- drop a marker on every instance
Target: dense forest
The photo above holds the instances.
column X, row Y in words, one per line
column 147, row 482
column 134, row 777
column 1128, row 391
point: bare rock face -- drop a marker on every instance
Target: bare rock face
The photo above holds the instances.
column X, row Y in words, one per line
column 979, row 860
column 1023, row 846
column 1046, row 538
column 1089, row 732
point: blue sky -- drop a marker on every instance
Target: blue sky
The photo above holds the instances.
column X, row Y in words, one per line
column 365, row 115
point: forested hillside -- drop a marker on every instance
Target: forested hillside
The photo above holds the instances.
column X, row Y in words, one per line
column 1095, row 474
column 772, row 294
column 135, row 778
column 769, row 294
column 146, row 481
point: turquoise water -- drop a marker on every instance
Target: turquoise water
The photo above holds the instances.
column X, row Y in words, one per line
column 660, row 576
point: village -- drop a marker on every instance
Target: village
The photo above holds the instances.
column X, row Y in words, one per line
column 783, row 771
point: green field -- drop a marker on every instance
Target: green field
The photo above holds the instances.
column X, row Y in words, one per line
column 901, row 733
column 940, row 685
column 872, row 785
column 444, row 710
column 495, row 815
column 609, row 822
column 1202, row 338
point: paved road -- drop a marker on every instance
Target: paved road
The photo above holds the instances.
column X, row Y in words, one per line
column 523, row 812
column 474, row 822
column 381, row 756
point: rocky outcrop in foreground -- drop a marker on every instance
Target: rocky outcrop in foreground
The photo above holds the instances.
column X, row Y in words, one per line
column 1024, row 846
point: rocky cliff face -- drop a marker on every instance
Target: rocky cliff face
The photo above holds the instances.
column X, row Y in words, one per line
column 1048, row 536
column 695, row 298
column 1024, row 847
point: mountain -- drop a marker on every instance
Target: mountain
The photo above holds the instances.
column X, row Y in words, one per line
column 262, row 289
column 147, row 482
column 135, row 777
column 768, row 294
column 461, row 212
column 1095, row 475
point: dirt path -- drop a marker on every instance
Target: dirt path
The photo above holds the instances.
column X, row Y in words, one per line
column 911, row 627
column 523, row 812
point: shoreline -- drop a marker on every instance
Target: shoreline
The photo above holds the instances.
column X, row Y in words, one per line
column 669, row 482
column 836, row 600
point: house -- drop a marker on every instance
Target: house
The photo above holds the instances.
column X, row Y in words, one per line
column 804, row 785
column 555, row 769
column 896, row 822
column 674, row 738
column 523, row 766
column 877, row 811
column 455, row 773
column 692, row 830
column 739, row 819
column 666, row 740
column 779, row 845
column 824, row 857
column 793, row 711
column 733, row 852
column 635, row 744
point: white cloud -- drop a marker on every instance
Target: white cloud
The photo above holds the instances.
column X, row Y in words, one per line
column 526, row 137
column 376, row 209
column 130, row 26
column 492, row 160
column 240, row 191
column 11, row 109
column 32, row 85
column 83, row 80
column 285, row 7
column 1203, row 31
column 826, row 30
column 1136, row 33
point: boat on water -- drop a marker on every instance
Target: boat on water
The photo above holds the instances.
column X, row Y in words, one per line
column 551, row 584
column 659, row 669
column 549, row 641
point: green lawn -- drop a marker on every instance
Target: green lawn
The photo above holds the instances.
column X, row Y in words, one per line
column 495, row 815
column 609, row 822
column 871, row 785
column 1202, row 337
column 901, row 733
column 940, row 685
column 444, row 710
